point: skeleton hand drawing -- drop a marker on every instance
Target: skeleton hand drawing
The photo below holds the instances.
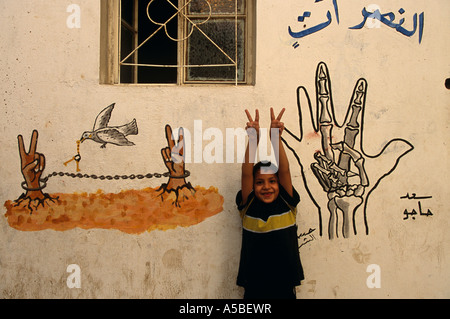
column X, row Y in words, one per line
column 345, row 173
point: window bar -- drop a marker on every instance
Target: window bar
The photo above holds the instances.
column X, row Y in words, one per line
column 176, row 66
column 235, row 41
column 120, row 39
column 180, row 49
column 136, row 38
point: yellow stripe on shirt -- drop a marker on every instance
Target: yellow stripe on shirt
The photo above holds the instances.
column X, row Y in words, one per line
column 274, row 222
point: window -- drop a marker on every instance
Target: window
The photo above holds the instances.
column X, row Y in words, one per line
column 177, row 41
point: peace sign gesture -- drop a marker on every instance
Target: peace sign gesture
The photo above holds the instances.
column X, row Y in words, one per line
column 276, row 122
column 173, row 156
column 32, row 166
column 252, row 126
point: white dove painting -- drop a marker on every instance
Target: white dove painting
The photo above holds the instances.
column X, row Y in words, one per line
column 104, row 134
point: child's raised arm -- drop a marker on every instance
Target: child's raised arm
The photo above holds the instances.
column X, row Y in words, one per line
column 284, row 173
column 252, row 129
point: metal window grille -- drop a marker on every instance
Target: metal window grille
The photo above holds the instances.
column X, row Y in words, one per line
column 184, row 41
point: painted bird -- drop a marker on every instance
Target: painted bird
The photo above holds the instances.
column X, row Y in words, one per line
column 104, row 134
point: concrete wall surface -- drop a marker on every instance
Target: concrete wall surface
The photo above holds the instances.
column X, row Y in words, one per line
column 128, row 238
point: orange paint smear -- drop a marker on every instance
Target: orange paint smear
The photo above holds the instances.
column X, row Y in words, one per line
column 130, row 211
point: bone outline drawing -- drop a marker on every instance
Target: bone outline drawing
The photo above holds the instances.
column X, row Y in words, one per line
column 346, row 174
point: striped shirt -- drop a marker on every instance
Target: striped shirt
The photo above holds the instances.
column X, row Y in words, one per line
column 269, row 252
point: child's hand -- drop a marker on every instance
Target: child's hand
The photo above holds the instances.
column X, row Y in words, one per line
column 252, row 126
column 276, row 122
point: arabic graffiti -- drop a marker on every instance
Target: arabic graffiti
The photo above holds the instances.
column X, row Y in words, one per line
column 413, row 212
column 342, row 176
column 370, row 14
column 316, row 28
column 306, row 237
column 388, row 19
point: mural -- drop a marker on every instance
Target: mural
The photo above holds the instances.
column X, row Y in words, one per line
column 175, row 203
column 347, row 175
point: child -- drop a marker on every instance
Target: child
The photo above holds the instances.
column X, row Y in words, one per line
column 270, row 264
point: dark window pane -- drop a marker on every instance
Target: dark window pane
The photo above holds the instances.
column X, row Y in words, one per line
column 126, row 46
column 127, row 10
column 160, row 49
column 126, row 42
column 217, row 7
column 159, row 11
column 201, row 51
column 157, row 75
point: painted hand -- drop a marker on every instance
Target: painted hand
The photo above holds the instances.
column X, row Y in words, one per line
column 32, row 166
column 173, row 156
column 342, row 176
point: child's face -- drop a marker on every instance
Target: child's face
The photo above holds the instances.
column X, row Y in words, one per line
column 266, row 187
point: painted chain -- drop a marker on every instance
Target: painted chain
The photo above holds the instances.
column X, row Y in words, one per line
column 104, row 177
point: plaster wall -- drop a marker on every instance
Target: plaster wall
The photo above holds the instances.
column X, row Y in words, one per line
column 50, row 82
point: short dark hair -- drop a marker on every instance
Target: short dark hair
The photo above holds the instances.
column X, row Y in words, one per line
column 267, row 165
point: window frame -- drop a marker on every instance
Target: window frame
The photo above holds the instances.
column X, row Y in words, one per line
column 110, row 24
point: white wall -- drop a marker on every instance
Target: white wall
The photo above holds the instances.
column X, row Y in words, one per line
column 51, row 84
